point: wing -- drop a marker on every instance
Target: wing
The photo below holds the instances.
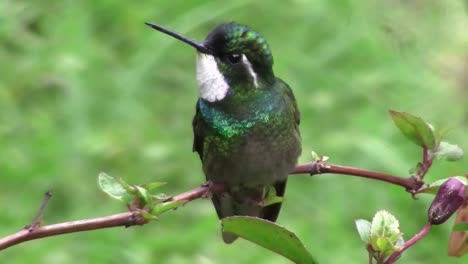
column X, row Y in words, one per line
column 198, row 134
column 290, row 100
column 271, row 212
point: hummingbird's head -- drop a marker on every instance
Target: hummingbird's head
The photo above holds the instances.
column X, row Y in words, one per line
column 232, row 55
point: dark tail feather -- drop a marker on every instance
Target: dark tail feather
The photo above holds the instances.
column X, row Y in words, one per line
column 271, row 212
column 226, row 205
column 228, row 237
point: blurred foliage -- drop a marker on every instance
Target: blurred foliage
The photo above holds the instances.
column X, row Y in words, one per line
column 86, row 87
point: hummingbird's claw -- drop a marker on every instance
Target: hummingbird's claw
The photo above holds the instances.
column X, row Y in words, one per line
column 208, row 185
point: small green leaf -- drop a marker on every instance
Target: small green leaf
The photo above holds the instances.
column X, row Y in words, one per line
column 152, row 185
column 127, row 198
column 384, row 245
column 144, row 196
column 273, row 200
column 314, row 155
column 384, row 225
column 111, row 186
column 415, row 129
column 399, row 242
column 162, row 196
column 126, row 186
column 271, row 197
column 449, row 152
column 147, row 215
column 385, row 236
column 166, row 206
column 363, row 227
column 270, row 236
column 463, row 226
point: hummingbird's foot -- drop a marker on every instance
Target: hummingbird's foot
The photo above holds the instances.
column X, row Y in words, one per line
column 209, row 186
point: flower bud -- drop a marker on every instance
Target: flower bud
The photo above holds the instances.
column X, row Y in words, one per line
column 451, row 195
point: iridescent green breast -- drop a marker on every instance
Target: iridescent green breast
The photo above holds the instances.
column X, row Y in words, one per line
column 264, row 118
column 228, row 125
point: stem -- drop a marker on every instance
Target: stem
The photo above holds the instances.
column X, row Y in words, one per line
column 409, row 243
column 37, row 219
column 319, row 167
column 196, row 193
column 122, row 219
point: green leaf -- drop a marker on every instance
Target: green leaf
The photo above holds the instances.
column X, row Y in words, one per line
column 144, row 196
column 271, row 197
column 270, row 236
column 163, row 207
column 112, row 187
column 127, row 198
column 449, row 152
column 463, row 226
column 434, row 187
column 273, row 200
column 363, row 227
column 415, row 129
column 384, row 245
column 399, row 242
column 384, row 225
column 152, row 185
column 130, row 189
column 147, row 215
column 161, row 196
column 314, row 155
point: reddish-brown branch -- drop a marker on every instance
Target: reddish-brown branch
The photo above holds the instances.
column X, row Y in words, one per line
column 134, row 218
column 198, row 192
column 37, row 219
column 409, row 243
column 123, row 219
column 319, row 167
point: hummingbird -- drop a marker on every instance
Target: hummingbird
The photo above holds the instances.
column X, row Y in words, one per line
column 246, row 124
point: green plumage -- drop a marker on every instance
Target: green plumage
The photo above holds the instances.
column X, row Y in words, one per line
column 246, row 122
column 249, row 147
column 250, row 139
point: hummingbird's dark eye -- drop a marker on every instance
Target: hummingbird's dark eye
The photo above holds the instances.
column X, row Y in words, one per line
column 234, row 58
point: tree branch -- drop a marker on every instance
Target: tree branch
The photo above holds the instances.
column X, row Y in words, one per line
column 134, row 217
column 122, row 219
column 318, row 167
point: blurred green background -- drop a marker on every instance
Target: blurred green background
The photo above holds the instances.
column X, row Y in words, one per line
column 86, row 87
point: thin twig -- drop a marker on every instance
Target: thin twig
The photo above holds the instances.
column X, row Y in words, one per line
column 36, row 222
column 123, row 219
column 319, row 167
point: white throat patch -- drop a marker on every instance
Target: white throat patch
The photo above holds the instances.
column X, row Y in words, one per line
column 252, row 73
column 212, row 84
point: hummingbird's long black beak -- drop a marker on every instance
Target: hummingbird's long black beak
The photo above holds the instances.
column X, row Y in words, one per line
column 198, row 45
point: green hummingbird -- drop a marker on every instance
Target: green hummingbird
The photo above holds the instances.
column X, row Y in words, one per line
column 246, row 122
